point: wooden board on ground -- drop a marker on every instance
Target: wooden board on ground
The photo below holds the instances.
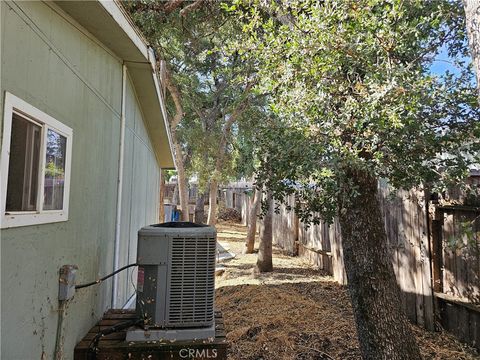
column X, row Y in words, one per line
column 114, row 346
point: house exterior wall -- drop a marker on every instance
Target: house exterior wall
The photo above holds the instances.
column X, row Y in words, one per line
column 140, row 194
column 55, row 65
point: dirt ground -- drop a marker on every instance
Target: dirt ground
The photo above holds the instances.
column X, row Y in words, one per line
column 297, row 312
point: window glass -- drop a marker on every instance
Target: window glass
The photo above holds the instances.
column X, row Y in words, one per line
column 22, row 185
column 54, row 171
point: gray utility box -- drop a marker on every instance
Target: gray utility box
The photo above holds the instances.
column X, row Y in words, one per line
column 176, row 275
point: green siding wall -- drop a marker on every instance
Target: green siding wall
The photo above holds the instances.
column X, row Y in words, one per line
column 142, row 184
column 57, row 68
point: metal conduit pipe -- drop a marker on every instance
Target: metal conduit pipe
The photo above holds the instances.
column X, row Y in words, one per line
column 116, row 253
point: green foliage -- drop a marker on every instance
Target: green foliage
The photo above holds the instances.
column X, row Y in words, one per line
column 350, row 86
column 168, row 174
column 51, row 170
column 466, row 237
column 211, row 82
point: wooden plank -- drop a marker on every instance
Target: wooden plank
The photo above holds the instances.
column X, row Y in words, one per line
column 460, row 208
column 296, row 228
column 472, row 258
column 402, row 253
column 110, row 322
column 451, row 317
column 408, row 265
column 339, row 269
column 454, row 322
column 448, row 256
column 457, row 301
column 179, row 354
column 474, row 329
column 317, row 251
column 114, row 346
column 152, row 354
column 416, row 239
column 427, row 286
column 437, row 255
column 461, row 254
column 122, row 317
column 162, row 346
column 462, row 317
column 462, row 330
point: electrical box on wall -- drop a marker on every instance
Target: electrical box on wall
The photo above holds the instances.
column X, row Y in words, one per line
column 66, row 282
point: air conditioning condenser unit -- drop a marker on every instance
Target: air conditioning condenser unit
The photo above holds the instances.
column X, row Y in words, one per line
column 176, row 282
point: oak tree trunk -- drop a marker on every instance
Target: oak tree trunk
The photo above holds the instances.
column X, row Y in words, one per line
column 175, row 195
column 219, row 162
column 177, row 148
column 199, row 217
column 252, row 223
column 212, row 206
column 383, row 329
column 161, row 212
column 264, row 260
column 472, row 15
column 182, row 181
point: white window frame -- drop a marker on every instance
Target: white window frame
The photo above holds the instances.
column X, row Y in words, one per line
column 16, row 105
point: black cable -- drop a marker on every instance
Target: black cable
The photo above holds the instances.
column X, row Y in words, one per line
column 93, row 347
column 104, row 278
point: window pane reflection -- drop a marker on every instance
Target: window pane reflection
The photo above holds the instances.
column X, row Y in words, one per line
column 54, row 171
column 22, row 186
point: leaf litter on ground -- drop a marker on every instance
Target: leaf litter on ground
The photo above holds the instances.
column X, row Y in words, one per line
column 298, row 312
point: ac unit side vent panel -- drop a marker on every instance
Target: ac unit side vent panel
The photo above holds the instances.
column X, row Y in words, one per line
column 192, row 287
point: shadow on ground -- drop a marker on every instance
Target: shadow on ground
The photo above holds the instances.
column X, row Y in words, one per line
column 297, row 312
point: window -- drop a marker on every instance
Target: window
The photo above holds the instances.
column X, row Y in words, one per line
column 35, row 166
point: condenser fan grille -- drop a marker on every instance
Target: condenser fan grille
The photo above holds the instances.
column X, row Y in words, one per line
column 192, row 277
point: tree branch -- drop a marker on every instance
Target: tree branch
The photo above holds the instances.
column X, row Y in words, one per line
column 175, row 93
column 164, row 7
column 194, row 6
column 171, row 6
column 240, row 108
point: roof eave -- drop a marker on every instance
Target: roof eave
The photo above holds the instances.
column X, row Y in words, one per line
column 109, row 23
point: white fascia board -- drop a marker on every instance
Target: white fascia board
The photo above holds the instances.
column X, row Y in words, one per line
column 164, row 110
column 117, row 13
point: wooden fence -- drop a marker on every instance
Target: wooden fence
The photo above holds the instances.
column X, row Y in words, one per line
column 238, row 197
column 456, row 270
column 440, row 284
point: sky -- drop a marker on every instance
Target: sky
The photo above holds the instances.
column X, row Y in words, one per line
column 443, row 62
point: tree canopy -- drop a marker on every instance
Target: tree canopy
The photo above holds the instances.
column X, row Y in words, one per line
column 211, row 83
column 350, row 84
column 350, row 99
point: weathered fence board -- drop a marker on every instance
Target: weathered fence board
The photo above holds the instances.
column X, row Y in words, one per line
column 457, row 275
column 461, row 263
column 419, row 238
column 285, row 227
